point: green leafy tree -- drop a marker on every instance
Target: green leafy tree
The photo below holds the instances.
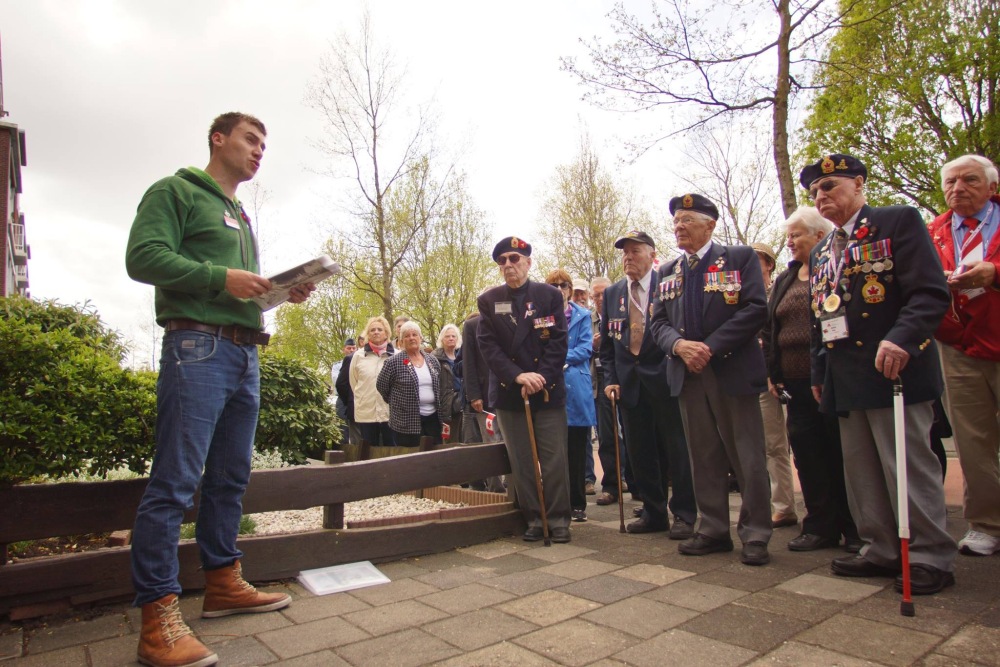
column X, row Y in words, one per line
column 908, row 90
column 296, row 419
column 450, row 264
column 313, row 332
column 66, row 404
column 585, row 211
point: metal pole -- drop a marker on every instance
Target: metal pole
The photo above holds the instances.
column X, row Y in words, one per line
column 902, row 494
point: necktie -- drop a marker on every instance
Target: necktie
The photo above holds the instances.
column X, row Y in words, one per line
column 636, row 321
column 693, row 262
column 972, row 248
column 839, row 243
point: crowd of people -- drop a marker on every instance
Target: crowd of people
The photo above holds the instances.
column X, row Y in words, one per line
column 701, row 371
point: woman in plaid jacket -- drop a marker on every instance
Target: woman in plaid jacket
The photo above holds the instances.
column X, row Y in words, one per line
column 410, row 383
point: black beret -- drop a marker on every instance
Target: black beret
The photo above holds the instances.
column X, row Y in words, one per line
column 350, row 341
column 511, row 244
column 837, row 164
column 698, row 203
column 635, row 235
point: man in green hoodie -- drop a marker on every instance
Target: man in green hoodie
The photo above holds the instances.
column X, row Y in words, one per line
column 192, row 240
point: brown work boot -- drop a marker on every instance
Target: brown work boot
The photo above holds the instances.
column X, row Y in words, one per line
column 227, row 593
column 167, row 641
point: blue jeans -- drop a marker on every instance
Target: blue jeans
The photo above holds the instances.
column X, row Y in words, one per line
column 207, row 398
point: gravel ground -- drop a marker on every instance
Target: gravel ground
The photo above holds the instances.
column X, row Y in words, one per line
column 297, row 521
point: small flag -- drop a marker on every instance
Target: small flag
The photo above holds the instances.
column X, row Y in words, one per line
column 490, row 428
column 446, row 432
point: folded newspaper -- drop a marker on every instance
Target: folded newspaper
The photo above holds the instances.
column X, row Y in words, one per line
column 339, row 578
column 312, row 271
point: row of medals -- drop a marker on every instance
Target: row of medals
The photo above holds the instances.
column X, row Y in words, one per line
column 832, row 302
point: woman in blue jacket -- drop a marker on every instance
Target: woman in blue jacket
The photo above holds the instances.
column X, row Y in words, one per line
column 580, row 414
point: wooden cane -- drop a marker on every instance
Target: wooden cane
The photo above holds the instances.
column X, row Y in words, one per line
column 538, row 467
column 618, row 465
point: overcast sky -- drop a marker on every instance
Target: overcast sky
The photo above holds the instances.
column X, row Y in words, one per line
column 114, row 95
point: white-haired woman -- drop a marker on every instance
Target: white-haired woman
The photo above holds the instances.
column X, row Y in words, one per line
column 410, row 382
column 370, row 412
column 813, row 436
column 448, row 354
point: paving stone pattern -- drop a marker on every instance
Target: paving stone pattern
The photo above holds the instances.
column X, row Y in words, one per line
column 605, row 599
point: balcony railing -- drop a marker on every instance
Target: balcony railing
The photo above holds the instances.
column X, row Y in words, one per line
column 21, row 274
column 18, row 247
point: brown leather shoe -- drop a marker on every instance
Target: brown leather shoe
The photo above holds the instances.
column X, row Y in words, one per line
column 783, row 520
column 606, row 499
column 165, row 639
column 227, row 593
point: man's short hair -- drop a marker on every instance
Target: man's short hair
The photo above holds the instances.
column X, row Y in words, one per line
column 227, row 121
column 989, row 169
column 599, row 280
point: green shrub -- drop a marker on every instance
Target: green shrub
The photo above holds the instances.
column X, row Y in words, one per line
column 66, row 404
column 295, row 418
column 67, row 407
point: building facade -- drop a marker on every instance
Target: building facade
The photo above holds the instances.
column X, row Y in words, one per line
column 13, row 243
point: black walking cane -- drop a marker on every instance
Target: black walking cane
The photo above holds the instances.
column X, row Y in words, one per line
column 902, row 495
column 537, row 465
column 618, row 465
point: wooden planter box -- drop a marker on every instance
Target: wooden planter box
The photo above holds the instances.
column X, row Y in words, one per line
column 41, row 585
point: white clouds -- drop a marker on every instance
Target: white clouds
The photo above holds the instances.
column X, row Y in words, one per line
column 115, row 94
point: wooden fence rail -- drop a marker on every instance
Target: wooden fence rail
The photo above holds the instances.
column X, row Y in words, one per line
column 50, row 510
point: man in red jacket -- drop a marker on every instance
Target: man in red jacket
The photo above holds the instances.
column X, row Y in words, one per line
column 967, row 240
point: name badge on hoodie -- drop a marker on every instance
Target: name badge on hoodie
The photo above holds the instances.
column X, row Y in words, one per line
column 230, row 220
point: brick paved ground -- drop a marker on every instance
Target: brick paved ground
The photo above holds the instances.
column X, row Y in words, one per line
column 606, row 599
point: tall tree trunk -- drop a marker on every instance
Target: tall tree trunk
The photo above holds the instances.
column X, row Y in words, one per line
column 786, row 183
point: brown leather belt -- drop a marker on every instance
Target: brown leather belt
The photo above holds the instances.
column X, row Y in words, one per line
column 236, row 333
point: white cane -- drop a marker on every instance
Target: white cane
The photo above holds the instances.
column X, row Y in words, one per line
column 902, row 495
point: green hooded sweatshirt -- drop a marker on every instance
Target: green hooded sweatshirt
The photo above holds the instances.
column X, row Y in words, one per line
column 185, row 235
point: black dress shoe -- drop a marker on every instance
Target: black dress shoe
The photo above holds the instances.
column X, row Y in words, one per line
column 560, row 535
column 755, row 553
column 925, row 580
column 702, row 544
column 533, row 534
column 681, row 530
column 857, row 566
column 852, row 545
column 810, row 542
column 644, row 525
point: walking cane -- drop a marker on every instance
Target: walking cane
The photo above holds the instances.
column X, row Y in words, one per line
column 537, row 466
column 902, row 495
column 618, row 465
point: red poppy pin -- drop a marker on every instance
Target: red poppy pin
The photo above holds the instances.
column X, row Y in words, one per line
column 861, row 233
column 406, row 362
column 713, row 268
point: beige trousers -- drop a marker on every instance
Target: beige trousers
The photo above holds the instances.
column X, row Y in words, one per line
column 779, row 464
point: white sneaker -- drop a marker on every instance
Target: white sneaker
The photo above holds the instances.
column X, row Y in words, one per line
column 978, row 544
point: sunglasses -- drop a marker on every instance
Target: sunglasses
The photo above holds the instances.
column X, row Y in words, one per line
column 825, row 186
column 561, row 285
column 512, row 258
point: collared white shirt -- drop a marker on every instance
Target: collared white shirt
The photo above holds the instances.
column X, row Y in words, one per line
column 643, row 290
column 701, row 251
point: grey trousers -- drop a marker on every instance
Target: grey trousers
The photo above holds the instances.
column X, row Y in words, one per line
column 869, row 443
column 724, row 431
column 550, row 436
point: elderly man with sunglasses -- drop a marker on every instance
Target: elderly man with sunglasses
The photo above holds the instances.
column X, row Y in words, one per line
column 523, row 339
column 878, row 292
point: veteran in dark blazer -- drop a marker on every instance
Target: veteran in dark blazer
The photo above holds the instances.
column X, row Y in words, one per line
column 635, row 371
column 878, row 292
column 523, row 339
column 709, row 307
